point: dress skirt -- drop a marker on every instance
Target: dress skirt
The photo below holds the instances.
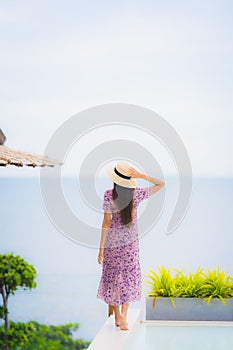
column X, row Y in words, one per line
column 121, row 281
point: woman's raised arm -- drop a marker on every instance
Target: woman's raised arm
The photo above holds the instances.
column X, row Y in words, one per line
column 158, row 184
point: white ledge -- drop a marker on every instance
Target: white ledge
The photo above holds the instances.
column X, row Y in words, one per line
column 111, row 337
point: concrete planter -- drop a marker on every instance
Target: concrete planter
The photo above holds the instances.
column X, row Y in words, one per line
column 188, row 309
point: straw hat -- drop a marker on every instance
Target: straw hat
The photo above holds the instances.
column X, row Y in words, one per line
column 120, row 175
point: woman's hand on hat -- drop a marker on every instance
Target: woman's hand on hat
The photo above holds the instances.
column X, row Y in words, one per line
column 134, row 173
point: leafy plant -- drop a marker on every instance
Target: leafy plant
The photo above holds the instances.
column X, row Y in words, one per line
column 16, row 336
column 162, row 283
column 3, row 311
column 54, row 338
column 36, row 336
column 201, row 284
column 217, row 285
column 188, row 286
column 15, row 272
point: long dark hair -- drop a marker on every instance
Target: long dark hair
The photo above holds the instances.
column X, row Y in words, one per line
column 123, row 196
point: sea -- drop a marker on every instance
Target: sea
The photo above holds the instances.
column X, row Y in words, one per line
column 68, row 273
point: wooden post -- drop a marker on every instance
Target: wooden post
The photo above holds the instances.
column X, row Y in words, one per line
column 2, row 138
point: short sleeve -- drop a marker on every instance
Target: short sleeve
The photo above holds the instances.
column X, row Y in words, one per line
column 142, row 193
column 107, row 204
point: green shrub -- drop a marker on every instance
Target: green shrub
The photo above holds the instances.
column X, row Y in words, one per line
column 54, row 337
column 201, row 284
column 36, row 336
column 16, row 336
column 217, row 284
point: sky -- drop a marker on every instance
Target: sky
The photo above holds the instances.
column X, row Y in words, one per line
column 174, row 57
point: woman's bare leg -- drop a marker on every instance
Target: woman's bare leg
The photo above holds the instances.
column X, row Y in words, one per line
column 124, row 309
column 117, row 315
column 123, row 317
column 110, row 310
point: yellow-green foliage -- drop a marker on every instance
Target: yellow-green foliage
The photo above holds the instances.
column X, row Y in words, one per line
column 201, row 284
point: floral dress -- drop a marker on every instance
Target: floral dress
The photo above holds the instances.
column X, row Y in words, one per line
column 121, row 282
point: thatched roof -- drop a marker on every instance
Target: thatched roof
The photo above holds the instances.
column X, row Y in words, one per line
column 17, row 158
column 11, row 157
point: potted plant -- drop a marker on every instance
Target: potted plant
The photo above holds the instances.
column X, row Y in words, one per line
column 200, row 296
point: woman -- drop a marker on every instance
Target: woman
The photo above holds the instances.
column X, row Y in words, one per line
column 120, row 282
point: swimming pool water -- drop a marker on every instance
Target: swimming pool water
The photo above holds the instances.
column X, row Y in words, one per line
column 176, row 337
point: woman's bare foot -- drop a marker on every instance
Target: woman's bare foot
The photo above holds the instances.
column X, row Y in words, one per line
column 117, row 322
column 124, row 324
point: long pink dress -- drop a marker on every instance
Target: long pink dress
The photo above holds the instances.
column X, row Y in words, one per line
column 121, row 280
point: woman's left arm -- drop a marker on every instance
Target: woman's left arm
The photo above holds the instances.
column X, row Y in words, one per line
column 105, row 227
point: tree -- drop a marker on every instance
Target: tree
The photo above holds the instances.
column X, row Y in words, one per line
column 16, row 336
column 54, row 338
column 15, row 273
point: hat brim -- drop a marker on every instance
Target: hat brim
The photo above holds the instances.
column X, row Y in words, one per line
column 130, row 183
